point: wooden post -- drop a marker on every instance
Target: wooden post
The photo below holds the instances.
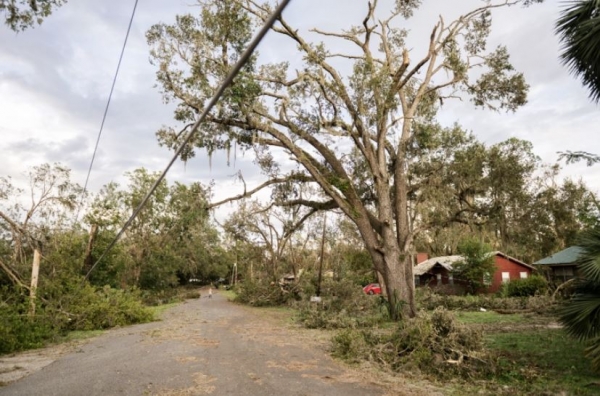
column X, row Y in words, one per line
column 88, row 262
column 234, row 274
column 35, row 271
column 321, row 260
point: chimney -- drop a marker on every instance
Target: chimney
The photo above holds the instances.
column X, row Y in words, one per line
column 422, row 257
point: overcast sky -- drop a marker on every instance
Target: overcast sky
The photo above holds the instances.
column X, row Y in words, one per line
column 55, row 79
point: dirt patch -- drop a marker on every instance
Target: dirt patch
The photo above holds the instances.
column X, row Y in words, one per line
column 205, row 342
column 16, row 366
column 255, row 378
column 186, row 359
column 177, row 333
column 275, row 327
column 294, row 366
column 392, row 383
column 202, row 386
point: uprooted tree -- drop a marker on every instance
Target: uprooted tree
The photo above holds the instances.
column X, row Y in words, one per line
column 350, row 114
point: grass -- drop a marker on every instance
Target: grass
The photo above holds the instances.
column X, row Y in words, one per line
column 81, row 335
column 532, row 359
column 283, row 315
column 229, row 294
column 158, row 310
column 543, row 361
column 489, row 317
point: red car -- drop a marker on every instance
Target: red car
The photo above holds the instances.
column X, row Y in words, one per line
column 373, row 288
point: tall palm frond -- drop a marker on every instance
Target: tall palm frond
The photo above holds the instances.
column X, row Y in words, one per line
column 589, row 260
column 579, row 31
column 581, row 315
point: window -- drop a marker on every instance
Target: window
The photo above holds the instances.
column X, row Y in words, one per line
column 417, row 280
column 523, row 275
column 439, row 279
column 505, row 277
column 563, row 271
column 487, row 279
column 451, row 279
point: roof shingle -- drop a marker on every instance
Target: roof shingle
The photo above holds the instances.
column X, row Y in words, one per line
column 566, row 256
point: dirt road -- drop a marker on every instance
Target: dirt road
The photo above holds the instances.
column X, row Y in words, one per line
column 200, row 347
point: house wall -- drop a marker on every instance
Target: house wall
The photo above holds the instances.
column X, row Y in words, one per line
column 505, row 265
column 421, row 257
column 431, row 279
column 562, row 273
column 445, row 285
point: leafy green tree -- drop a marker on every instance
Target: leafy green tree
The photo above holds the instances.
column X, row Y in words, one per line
column 22, row 14
column 105, row 215
column 194, row 240
column 146, row 230
column 272, row 228
column 171, row 240
column 28, row 219
column 346, row 118
column 581, row 315
column 502, row 192
column 477, row 267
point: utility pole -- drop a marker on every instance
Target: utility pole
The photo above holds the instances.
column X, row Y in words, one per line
column 322, row 256
column 234, row 274
column 35, row 271
column 88, row 261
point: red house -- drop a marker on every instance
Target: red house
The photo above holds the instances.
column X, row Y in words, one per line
column 437, row 271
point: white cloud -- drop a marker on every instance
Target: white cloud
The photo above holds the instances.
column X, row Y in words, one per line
column 54, row 81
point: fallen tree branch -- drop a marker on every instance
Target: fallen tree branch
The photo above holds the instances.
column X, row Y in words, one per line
column 562, row 286
column 245, row 194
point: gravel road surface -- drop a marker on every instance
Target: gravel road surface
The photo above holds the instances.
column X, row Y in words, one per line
column 201, row 347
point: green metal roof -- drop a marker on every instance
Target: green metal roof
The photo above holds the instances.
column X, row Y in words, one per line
column 567, row 256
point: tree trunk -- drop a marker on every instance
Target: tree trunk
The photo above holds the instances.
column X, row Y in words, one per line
column 399, row 284
column 394, row 268
column 321, row 258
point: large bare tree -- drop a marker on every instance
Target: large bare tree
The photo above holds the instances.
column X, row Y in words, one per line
column 346, row 114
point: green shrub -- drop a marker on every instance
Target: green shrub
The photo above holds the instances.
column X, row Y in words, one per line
column 344, row 305
column 65, row 306
column 354, row 346
column 534, row 285
column 191, row 294
column 428, row 300
column 433, row 343
column 18, row 331
column 93, row 309
column 160, row 297
column 265, row 294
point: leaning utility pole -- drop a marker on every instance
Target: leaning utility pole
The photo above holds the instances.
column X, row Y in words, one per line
column 321, row 258
column 35, row 270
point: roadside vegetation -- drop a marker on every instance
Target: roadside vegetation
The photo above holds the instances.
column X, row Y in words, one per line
column 516, row 345
column 362, row 199
column 510, row 342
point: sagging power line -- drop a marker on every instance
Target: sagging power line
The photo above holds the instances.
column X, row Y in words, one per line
column 213, row 101
column 112, row 88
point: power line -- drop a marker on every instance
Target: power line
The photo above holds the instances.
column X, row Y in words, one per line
column 228, row 80
column 112, row 88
